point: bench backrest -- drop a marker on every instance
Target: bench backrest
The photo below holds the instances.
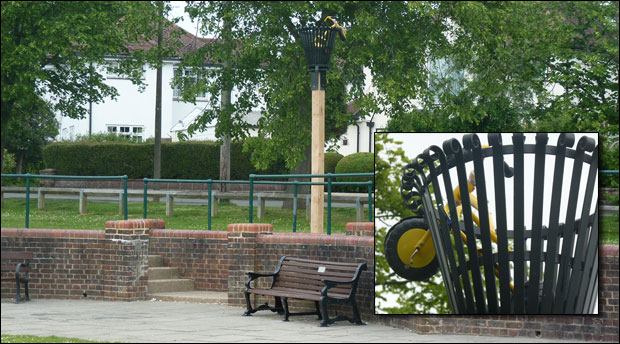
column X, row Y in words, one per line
column 308, row 275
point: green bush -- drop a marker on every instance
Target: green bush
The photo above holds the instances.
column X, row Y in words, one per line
column 331, row 160
column 8, row 165
column 362, row 162
column 180, row 160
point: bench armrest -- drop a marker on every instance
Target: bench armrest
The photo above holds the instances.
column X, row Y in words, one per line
column 252, row 276
column 329, row 284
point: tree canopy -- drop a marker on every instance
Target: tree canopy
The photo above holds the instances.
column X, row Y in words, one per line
column 435, row 66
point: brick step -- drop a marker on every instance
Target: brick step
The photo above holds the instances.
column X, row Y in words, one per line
column 197, row 296
column 160, row 273
column 170, row 285
column 156, row 261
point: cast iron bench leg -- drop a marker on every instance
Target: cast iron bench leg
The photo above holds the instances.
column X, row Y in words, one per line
column 17, row 296
column 323, row 312
column 249, row 310
column 318, row 310
column 356, row 313
column 286, row 311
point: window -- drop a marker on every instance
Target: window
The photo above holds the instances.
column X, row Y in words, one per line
column 112, row 75
column 133, row 131
column 187, row 74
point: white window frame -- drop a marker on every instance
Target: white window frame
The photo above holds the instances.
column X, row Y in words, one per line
column 176, row 92
column 129, row 130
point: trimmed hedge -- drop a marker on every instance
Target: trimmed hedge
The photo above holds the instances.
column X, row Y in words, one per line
column 362, row 162
column 180, row 160
column 331, row 160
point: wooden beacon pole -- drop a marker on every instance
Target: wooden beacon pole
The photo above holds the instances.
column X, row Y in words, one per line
column 318, row 152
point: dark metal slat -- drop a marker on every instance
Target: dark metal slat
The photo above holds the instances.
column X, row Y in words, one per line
column 495, row 140
column 537, row 212
column 569, row 233
column 472, row 142
column 582, row 237
column 590, row 267
column 519, row 228
column 565, row 140
column 456, row 291
column 469, row 225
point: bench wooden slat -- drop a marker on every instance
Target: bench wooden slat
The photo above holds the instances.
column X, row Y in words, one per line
column 293, row 259
column 314, row 274
column 303, row 279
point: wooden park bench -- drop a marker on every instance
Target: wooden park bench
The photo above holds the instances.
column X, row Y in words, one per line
column 20, row 273
column 319, row 281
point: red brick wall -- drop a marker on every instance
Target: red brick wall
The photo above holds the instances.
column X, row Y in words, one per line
column 65, row 264
column 110, row 264
column 601, row 327
column 199, row 255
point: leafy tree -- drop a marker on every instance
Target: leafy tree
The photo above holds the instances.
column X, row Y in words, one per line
column 51, row 47
column 268, row 70
column 29, row 133
column 413, row 297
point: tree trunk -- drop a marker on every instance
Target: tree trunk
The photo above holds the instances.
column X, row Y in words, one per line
column 19, row 164
column 225, row 104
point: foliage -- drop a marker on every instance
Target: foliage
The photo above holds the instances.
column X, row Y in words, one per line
column 268, row 71
column 181, row 160
column 362, row 162
column 29, row 132
column 331, row 160
column 413, row 297
column 9, row 163
column 102, row 137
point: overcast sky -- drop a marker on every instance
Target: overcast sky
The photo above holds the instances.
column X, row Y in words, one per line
column 178, row 10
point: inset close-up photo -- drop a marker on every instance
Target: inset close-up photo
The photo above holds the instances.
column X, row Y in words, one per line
column 487, row 223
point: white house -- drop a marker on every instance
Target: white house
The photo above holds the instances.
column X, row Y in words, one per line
column 133, row 112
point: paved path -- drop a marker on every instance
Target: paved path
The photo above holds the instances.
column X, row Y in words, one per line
column 146, row 321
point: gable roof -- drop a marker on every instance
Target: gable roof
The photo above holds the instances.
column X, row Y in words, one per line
column 189, row 42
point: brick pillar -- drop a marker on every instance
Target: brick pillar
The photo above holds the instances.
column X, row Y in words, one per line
column 361, row 229
column 125, row 258
column 242, row 257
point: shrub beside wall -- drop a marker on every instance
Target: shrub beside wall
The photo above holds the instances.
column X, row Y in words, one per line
column 180, row 160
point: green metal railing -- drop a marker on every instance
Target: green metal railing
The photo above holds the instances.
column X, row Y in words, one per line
column 210, row 183
column 252, row 182
column 295, row 184
column 609, row 171
column 29, row 176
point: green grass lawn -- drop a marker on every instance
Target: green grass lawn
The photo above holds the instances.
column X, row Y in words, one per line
column 608, row 229
column 9, row 338
column 64, row 214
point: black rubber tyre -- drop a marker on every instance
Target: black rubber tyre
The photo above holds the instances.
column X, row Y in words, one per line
column 391, row 246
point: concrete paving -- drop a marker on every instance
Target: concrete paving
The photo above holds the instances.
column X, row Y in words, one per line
column 167, row 322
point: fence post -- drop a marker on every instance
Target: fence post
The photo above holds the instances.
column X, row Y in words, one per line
column 144, row 202
column 295, row 207
column 370, row 201
column 27, row 200
column 329, row 204
column 83, row 202
column 40, row 200
column 125, row 195
column 251, row 196
column 209, row 203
